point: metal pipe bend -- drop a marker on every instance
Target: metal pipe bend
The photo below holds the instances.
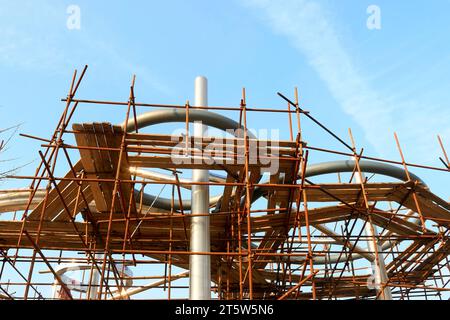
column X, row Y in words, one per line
column 221, row 122
column 160, row 116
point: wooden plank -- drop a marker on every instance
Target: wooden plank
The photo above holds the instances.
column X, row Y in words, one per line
column 430, row 210
column 103, row 162
column 191, row 163
column 54, row 203
column 234, row 140
column 87, row 159
column 112, row 134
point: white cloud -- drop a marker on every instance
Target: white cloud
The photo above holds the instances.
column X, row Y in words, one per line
column 34, row 36
column 143, row 75
column 307, row 26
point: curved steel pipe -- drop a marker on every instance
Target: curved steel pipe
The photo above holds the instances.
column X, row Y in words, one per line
column 18, row 200
column 208, row 118
column 366, row 166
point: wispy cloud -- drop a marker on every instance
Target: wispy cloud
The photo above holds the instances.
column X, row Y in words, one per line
column 309, row 28
column 27, row 36
column 34, row 37
column 143, row 73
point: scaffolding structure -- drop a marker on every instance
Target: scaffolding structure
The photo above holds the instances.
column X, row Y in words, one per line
column 274, row 234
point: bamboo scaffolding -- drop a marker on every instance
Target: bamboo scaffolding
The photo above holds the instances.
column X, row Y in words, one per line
column 286, row 237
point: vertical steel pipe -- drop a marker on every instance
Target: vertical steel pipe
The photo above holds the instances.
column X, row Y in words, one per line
column 200, row 265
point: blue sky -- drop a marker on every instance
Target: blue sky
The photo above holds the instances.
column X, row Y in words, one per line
column 374, row 81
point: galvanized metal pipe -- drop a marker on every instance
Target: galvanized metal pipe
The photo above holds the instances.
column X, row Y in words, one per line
column 200, row 265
